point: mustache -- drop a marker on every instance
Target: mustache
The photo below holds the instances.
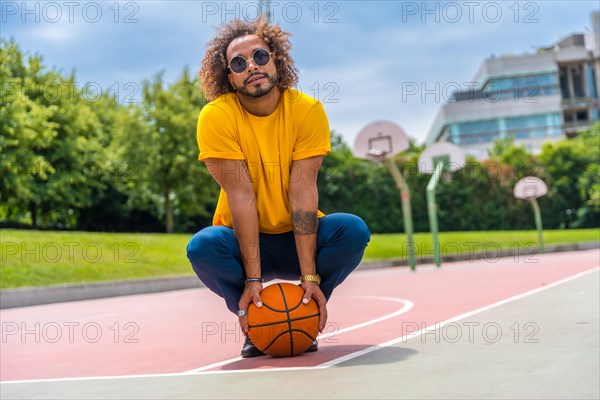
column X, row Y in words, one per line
column 253, row 75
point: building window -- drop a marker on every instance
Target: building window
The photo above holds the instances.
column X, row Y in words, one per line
column 521, row 87
column 523, row 127
column 590, row 78
column 582, row 116
column 577, row 72
column 564, row 83
column 513, row 88
column 569, row 117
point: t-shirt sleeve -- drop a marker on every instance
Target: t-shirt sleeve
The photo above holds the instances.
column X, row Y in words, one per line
column 313, row 135
column 216, row 135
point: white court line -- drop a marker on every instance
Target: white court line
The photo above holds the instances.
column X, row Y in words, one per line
column 334, row 361
column 214, row 365
column 454, row 319
column 407, row 305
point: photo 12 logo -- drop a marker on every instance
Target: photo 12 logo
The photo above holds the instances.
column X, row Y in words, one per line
column 489, row 332
column 69, row 332
column 287, row 11
column 69, row 11
column 453, row 12
column 68, row 252
column 472, row 92
column 73, row 92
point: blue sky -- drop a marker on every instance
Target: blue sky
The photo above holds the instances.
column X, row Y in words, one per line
column 360, row 58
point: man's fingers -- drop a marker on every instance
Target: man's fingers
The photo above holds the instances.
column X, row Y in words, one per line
column 317, row 295
column 250, row 295
column 253, row 293
column 244, row 324
column 322, row 317
column 256, row 298
column 322, row 304
column 244, row 302
column 307, row 296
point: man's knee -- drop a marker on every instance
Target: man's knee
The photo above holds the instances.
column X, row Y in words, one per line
column 196, row 245
column 359, row 231
column 349, row 228
column 208, row 242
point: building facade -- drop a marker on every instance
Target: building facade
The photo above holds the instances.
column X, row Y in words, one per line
column 534, row 98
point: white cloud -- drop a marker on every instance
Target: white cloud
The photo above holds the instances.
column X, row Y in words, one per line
column 52, row 33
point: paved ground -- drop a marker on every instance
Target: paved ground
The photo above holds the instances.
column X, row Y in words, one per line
column 513, row 328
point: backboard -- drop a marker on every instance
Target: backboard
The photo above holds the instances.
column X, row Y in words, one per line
column 379, row 140
column 530, row 187
column 451, row 155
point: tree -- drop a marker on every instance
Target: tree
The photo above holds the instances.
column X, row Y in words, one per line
column 49, row 141
column 26, row 130
column 589, row 181
column 161, row 153
column 514, row 162
column 572, row 180
column 479, row 197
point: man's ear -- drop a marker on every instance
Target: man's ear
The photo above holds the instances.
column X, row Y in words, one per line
column 230, row 77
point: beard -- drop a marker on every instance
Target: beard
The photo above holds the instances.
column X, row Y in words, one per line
column 257, row 91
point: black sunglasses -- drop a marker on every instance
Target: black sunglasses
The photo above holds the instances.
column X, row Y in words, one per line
column 260, row 57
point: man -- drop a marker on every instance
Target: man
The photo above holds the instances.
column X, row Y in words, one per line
column 263, row 142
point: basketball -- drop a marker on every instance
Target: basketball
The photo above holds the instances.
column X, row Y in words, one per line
column 283, row 326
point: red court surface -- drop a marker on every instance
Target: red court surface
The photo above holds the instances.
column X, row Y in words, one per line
column 191, row 331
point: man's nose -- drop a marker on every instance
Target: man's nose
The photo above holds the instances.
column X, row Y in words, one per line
column 251, row 65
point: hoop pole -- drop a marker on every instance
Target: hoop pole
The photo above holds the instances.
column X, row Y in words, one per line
column 432, row 211
column 538, row 222
column 406, row 209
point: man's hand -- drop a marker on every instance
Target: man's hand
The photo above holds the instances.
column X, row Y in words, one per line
column 251, row 294
column 311, row 289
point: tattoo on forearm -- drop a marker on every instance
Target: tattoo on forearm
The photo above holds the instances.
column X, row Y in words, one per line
column 305, row 222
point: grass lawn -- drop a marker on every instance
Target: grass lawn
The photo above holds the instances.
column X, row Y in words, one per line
column 394, row 245
column 38, row 258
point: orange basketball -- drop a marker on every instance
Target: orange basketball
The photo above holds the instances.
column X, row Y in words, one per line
column 283, row 326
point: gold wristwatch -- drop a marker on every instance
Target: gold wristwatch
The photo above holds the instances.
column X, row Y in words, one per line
column 311, row 278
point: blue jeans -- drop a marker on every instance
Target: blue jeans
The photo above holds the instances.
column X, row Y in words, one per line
column 215, row 256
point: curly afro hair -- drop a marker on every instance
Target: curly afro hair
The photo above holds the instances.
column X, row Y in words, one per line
column 213, row 74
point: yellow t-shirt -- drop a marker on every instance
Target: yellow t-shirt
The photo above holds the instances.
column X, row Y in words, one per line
column 297, row 129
